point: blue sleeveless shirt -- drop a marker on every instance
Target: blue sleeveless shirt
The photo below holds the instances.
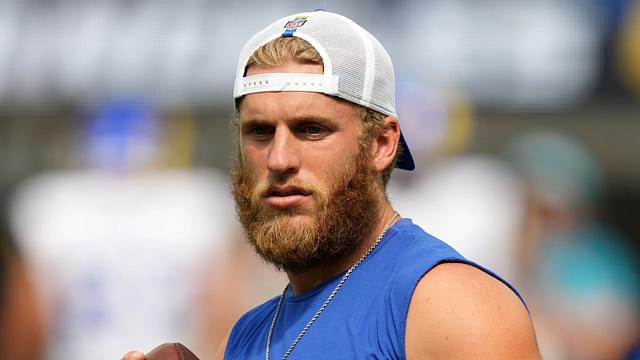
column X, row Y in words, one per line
column 366, row 319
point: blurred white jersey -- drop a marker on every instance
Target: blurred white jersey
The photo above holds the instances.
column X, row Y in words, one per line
column 122, row 260
column 472, row 203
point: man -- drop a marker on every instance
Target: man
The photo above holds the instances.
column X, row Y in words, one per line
column 318, row 138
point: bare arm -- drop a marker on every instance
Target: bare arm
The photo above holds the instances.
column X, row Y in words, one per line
column 221, row 349
column 459, row 312
column 23, row 326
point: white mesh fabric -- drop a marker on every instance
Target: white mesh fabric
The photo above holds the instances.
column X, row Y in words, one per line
column 363, row 67
column 384, row 86
column 356, row 66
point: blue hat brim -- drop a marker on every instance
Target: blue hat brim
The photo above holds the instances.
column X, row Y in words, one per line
column 405, row 161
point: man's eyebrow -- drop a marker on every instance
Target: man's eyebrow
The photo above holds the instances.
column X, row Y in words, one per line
column 315, row 120
column 253, row 122
column 298, row 119
column 322, row 120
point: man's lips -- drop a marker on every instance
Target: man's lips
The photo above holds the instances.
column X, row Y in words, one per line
column 285, row 197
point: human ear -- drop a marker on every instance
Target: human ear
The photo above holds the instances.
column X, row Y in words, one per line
column 385, row 143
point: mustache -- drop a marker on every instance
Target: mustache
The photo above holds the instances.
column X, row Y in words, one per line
column 265, row 188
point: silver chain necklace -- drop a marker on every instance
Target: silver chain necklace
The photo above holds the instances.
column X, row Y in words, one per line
column 326, row 302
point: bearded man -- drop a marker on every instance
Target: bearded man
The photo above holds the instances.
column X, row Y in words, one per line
column 318, row 139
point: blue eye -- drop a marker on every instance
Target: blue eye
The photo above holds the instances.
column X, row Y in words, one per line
column 312, row 129
column 261, row 130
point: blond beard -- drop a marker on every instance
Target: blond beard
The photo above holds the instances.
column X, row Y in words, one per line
column 344, row 213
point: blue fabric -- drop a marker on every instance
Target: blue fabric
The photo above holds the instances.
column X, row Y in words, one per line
column 366, row 319
column 634, row 354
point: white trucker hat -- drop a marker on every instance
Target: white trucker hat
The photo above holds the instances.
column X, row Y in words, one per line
column 356, row 66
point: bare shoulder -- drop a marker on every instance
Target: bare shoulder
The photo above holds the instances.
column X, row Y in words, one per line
column 458, row 311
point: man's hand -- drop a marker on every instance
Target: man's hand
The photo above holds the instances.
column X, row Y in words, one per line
column 166, row 351
column 133, row 355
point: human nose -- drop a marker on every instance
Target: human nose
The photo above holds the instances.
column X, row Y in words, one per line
column 283, row 154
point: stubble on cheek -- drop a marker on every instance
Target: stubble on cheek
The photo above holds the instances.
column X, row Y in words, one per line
column 280, row 236
column 301, row 238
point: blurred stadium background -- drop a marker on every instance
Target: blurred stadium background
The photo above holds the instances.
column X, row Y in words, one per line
column 524, row 117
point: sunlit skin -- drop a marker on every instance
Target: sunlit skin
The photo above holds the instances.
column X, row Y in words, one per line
column 301, row 135
column 456, row 311
column 308, row 136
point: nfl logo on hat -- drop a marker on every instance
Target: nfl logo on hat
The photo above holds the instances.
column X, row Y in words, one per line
column 292, row 25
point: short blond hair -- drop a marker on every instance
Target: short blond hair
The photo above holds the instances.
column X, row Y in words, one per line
column 284, row 50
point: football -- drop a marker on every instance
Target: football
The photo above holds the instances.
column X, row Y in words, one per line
column 171, row 351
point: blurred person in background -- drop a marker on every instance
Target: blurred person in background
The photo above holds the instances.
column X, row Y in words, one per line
column 627, row 48
column 129, row 226
column 22, row 335
column 581, row 276
column 472, row 200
